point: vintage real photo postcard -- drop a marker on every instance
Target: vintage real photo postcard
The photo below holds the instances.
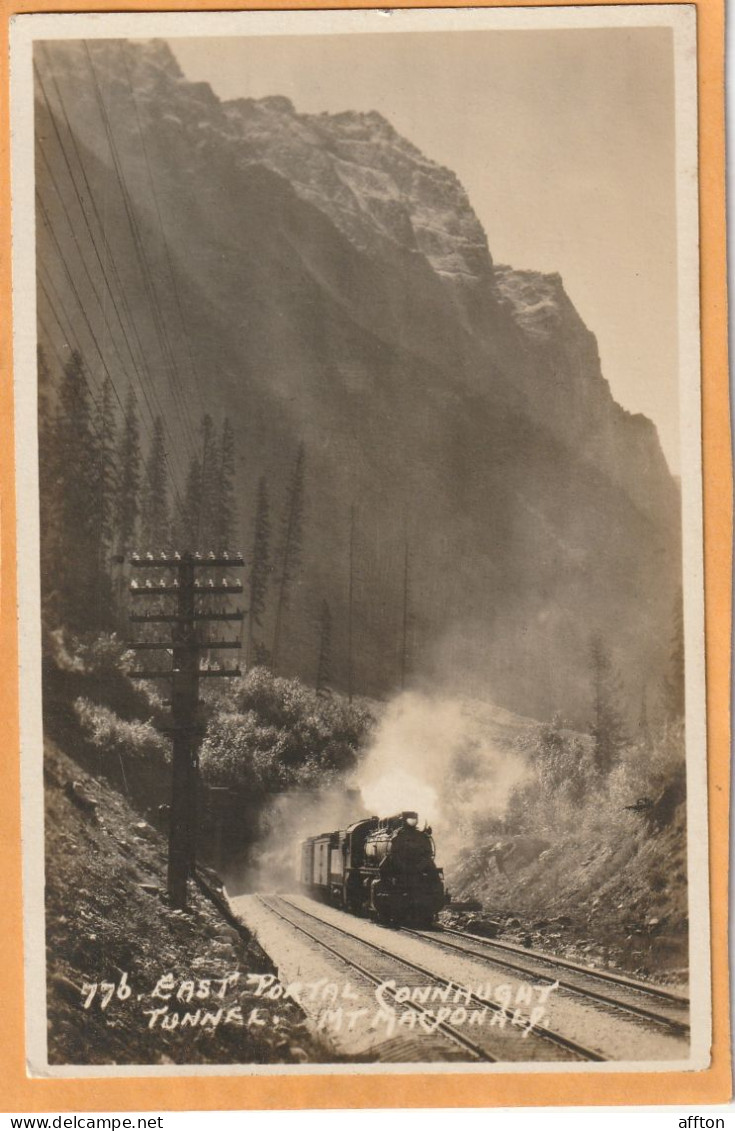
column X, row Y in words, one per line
column 360, row 544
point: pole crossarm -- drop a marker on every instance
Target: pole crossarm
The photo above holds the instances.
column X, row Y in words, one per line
column 197, row 560
column 166, row 645
column 218, row 616
column 196, row 730
column 178, row 618
column 200, row 673
column 200, row 588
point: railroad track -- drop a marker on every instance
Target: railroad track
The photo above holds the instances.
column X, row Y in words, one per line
column 501, row 1040
column 620, row 992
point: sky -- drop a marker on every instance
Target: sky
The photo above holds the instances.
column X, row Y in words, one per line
column 563, row 140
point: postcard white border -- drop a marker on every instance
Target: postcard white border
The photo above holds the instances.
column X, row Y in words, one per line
column 24, row 30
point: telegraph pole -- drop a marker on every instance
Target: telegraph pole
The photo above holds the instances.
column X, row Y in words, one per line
column 350, row 594
column 404, row 640
column 188, row 588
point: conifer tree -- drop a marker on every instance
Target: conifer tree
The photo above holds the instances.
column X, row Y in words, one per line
column 189, row 518
column 607, row 726
column 76, row 459
column 129, row 460
column 673, row 690
column 155, row 517
column 324, row 665
column 107, row 471
column 105, row 517
column 260, row 565
column 644, row 725
column 289, row 557
column 261, row 655
column 206, row 532
column 225, row 533
column 49, row 500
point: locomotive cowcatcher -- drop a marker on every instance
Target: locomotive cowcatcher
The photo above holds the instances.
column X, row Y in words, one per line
column 382, row 868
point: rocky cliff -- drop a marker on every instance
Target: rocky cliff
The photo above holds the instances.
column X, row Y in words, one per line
column 319, row 279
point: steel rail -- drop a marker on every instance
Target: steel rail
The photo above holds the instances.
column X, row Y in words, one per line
column 547, row 1034
column 605, row 975
column 442, row 1026
column 672, row 1023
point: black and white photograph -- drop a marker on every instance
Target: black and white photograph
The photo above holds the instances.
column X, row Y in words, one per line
column 361, row 548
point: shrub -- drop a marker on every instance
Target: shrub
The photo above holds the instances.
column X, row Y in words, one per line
column 115, row 737
column 268, row 735
column 566, row 795
column 96, row 667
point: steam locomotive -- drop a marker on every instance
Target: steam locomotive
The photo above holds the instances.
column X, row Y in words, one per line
column 381, row 868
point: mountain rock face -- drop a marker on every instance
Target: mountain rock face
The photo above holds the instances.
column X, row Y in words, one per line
column 375, row 186
column 319, row 280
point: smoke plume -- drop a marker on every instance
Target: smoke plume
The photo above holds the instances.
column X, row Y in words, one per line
column 453, row 760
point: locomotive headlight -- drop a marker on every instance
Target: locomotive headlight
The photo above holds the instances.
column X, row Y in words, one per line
column 412, row 821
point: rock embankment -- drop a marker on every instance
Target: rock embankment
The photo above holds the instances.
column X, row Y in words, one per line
column 618, row 902
column 130, row 979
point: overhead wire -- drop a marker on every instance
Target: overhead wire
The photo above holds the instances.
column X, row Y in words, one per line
column 66, row 331
column 147, row 389
column 109, row 256
column 55, row 310
column 72, row 285
column 93, row 393
column 108, row 253
column 102, row 305
column 69, row 334
column 47, row 218
column 162, row 227
column 108, row 267
column 98, row 408
column 114, row 472
column 206, row 447
column 156, row 310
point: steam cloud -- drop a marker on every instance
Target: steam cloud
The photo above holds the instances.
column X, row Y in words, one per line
column 452, row 760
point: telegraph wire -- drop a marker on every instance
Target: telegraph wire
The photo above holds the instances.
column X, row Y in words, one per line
column 83, row 262
column 108, row 250
column 50, row 338
column 47, row 218
column 93, row 393
column 101, row 226
column 72, row 285
column 118, row 398
column 83, row 210
column 154, row 194
column 153, row 414
column 206, row 449
column 67, row 331
column 69, row 334
column 159, row 320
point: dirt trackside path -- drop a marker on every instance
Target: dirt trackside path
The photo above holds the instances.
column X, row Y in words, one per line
column 172, row 987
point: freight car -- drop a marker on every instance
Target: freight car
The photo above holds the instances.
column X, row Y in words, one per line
column 382, row 868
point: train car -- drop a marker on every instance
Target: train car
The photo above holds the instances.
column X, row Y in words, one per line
column 321, row 867
column 382, row 868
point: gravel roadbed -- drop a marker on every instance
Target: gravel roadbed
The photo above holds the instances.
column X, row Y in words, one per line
column 616, row 1035
column 324, row 985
